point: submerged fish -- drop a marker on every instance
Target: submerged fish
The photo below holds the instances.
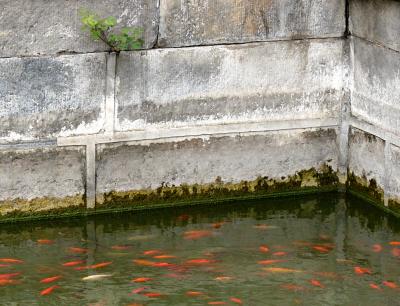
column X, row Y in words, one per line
column 143, row 262
column 223, row 278
column 321, row 249
column 4, row 266
column 164, row 256
column 271, row 261
column 78, row 250
column 138, row 290
column 11, row 260
column 194, row 235
column 389, row 284
column 265, row 226
column 263, row 249
column 45, row 241
column 9, row 275
column 236, row 300
column 394, row 243
column 374, row 286
column 194, row 293
column 5, row 282
column 73, row 263
column 96, row 266
column 377, row 248
column 396, row 252
column 153, row 294
column 282, row 270
column 200, row 261
column 152, row 252
column 279, row 254
column 96, row 277
column 216, row 303
column 316, row 283
column 50, row 279
column 360, row 270
column 217, row 225
column 141, row 279
column 49, row 290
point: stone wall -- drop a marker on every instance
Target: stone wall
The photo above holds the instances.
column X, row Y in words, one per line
column 226, row 99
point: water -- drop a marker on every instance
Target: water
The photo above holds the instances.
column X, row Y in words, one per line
column 331, row 250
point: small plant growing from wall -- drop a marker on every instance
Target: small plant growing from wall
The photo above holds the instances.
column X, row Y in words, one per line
column 101, row 29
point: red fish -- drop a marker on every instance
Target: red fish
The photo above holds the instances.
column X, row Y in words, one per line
column 164, row 256
column 4, row 266
column 11, row 260
column 377, row 248
column 9, row 275
column 143, row 262
column 138, row 290
column 359, row 270
column 396, row 252
column 390, row 284
column 45, row 241
column 153, row 294
column 49, row 290
column 279, row 254
column 200, row 261
column 152, row 252
column 50, row 279
column 141, row 280
column 374, row 286
column 216, row 303
column 73, row 263
column 194, row 293
column 263, row 249
column 236, row 300
column 193, row 235
column 270, row 261
column 321, row 249
column 316, row 283
column 120, row 247
column 394, row 243
column 101, row 265
column 5, row 282
column 78, row 250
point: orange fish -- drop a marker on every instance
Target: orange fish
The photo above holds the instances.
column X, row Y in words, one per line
column 316, row 283
column 263, row 249
column 223, row 278
column 9, row 275
column 390, row 284
column 120, row 247
column 396, row 252
column 282, row 270
column 143, row 262
column 138, row 290
column 4, row 266
column 201, row 261
column 217, row 225
column 50, row 279
column 236, row 300
column 49, row 290
column 5, row 282
column 374, row 286
column 321, row 249
column 78, row 250
column 279, row 254
column 194, row 293
column 141, row 280
column 359, row 270
column 193, row 235
column 292, row 287
column 153, row 294
column 216, row 303
column 377, row 248
column 270, row 261
column 73, row 263
column 11, row 260
column 45, row 241
column 394, row 243
column 151, row 252
column 164, row 256
column 101, row 265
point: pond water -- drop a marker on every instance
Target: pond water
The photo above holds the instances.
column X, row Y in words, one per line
column 320, row 250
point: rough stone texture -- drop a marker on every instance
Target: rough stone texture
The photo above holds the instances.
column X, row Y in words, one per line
column 367, row 160
column 133, row 166
column 376, row 20
column 394, row 174
column 185, row 23
column 33, row 179
column 32, row 27
column 225, row 84
column 51, row 96
column 376, row 92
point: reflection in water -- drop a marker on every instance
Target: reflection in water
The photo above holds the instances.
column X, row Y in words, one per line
column 321, row 250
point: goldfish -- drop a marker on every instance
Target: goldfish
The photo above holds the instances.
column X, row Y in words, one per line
column 143, row 262
column 5, row 282
column 9, row 275
column 49, row 290
column 389, row 284
column 4, row 266
column 396, row 252
column 45, row 241
column 153, row 294
column 11, row 260
column 216, row 303
column 141, row 280
column 394, row 243
column 377, row 248
column 263, row 249
column 120, row 247
column 78, row 250
column 264, row 226
column 316, row 283
column 50, row 279
column 73, row 263
column 270, row 261
column 282, row 270
column 138, row 290
column 223, row 278
column 236, row 300
column 193, row 235
column 151, row 252
column 374, row 286
column 194, row 293
column 96, row 277
column 164, row 256
column 321, row 249
column 101, row 265
column 360, row 270
column 279, row 254
column 200, row 261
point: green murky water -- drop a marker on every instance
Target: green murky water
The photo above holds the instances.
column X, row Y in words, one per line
column 322, row 250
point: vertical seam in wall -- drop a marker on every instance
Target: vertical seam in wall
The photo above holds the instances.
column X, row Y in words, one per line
column 110, row 93
column 91, row 173
column 388, row 169
column 155, row 45
column 347, row 18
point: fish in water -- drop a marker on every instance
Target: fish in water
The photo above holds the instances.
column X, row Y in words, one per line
column 96, row 266
column 217, row 303
column 9, row 275
column 394, row 243
column 141, row 280
column 194, row 235
column 50, row 279
column 164, row 256
column 223, row 278
column 45, row 241
column 321, row 249
column 360, row 270
column 152, row 252
column 5, row 282
column 11, row 260
column 73, row 263
column 374, row 286
column 282, row 270
column 396, row 252
column 138, row 290
column 153, row 294
column 49, row 290
column 264, row 226
column 217, row 225
column 389, row 284
column 270, row 261
column 200, row 261
column 236, row 300
column 316, row 283
column 96, row 277
column 4, row 266
column 263, row 249
column 78, row 250
column 377, row 248
column 143, row 262
column 194, row 293
column 279, row 254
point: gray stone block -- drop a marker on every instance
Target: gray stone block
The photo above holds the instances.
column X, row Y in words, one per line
column 53, row 26
column 47, row 97
column 187, row 23
column 394, row 173
column 139, row 166
column 376, row 20
column 41, row 178
column 225, row 84
column 376, row 90
column 367, row 162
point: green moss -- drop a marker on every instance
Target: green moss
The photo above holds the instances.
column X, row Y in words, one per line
column 369, row 188
column 394, row 205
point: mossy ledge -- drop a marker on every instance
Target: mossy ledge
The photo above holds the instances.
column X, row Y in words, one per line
column 324, row 179
column 367, row 188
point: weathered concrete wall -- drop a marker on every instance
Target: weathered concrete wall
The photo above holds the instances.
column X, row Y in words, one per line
column 188, row 23
column 43, row 27
column 47, row 97
column 225, row 84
